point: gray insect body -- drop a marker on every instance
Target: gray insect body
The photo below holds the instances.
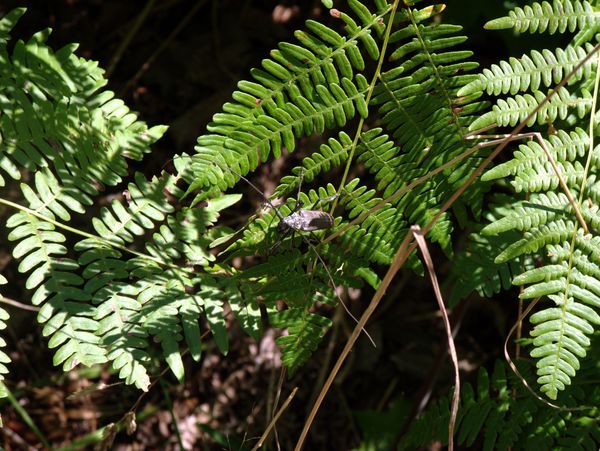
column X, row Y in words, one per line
column 298, row 220
column 305, row 221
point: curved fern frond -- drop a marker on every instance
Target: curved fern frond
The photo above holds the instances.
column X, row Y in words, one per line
column 561, row 15
column 533, row 71
column 548, row 232
column 303, row 89
column 514, row 110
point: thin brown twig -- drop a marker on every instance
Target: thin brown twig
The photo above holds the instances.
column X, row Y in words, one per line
column 515, row 370
column 164, row 44
column 561, row 180
column 20, row 305
column 424, row 394
column 420, row 239
column 275, row 418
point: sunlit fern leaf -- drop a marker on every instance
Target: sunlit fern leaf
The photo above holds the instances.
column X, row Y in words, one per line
column 511, row 111
column 566, row 263
column 65, row 310
column 562, row 146
column 329, row 155
column 303, row 89
column 531, row 72
column 540, row 17
column 120, row 329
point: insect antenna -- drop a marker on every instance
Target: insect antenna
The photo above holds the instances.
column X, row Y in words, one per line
column 254, row 187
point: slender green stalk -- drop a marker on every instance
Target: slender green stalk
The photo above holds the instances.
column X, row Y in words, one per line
column 169, row 402
column 25, row 416
column 376, row 76
column 132, row 32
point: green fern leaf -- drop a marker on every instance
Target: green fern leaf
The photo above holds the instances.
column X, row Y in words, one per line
column 511, row 111
column 531, row 72
column 305, row 331
column 561, row 15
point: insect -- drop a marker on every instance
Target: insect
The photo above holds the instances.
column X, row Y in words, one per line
column 299, row 220
column 303, row 221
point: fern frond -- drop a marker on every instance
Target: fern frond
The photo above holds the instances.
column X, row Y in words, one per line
column 494, row 417
column 565, row 255
column 305, row 331
column 476, row 270
column 562, row 146
column 303, row 89
column 530, row 72
column 561, row 15
column 65, row 308
column 514, row 110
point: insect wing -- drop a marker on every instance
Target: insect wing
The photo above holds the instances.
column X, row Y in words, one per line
column 309, row 220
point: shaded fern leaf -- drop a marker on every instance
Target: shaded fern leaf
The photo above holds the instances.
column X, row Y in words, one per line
column 491, row 414
column 305, row 331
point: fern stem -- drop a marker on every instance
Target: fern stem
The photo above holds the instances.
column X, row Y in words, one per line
column 89, row 235
column 376, row 77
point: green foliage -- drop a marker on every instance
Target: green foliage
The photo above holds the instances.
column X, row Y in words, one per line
column 320, row 83
column 4, row 359
column 475, row 268
column 96, row 304
column 549, row 233
column 561, row 15
column 391, row 90
column 498, row 413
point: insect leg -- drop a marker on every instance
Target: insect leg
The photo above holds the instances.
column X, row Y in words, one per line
column 298, row 201
column 332, row 283
column 325, row 199
column 273, row 248
column 254, row 187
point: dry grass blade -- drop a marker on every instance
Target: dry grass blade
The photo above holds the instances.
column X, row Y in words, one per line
column 416, row 231
column 275, row 418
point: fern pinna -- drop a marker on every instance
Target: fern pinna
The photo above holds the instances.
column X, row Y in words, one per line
column 498, row 413
column 390, row 89
column 98, row 303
